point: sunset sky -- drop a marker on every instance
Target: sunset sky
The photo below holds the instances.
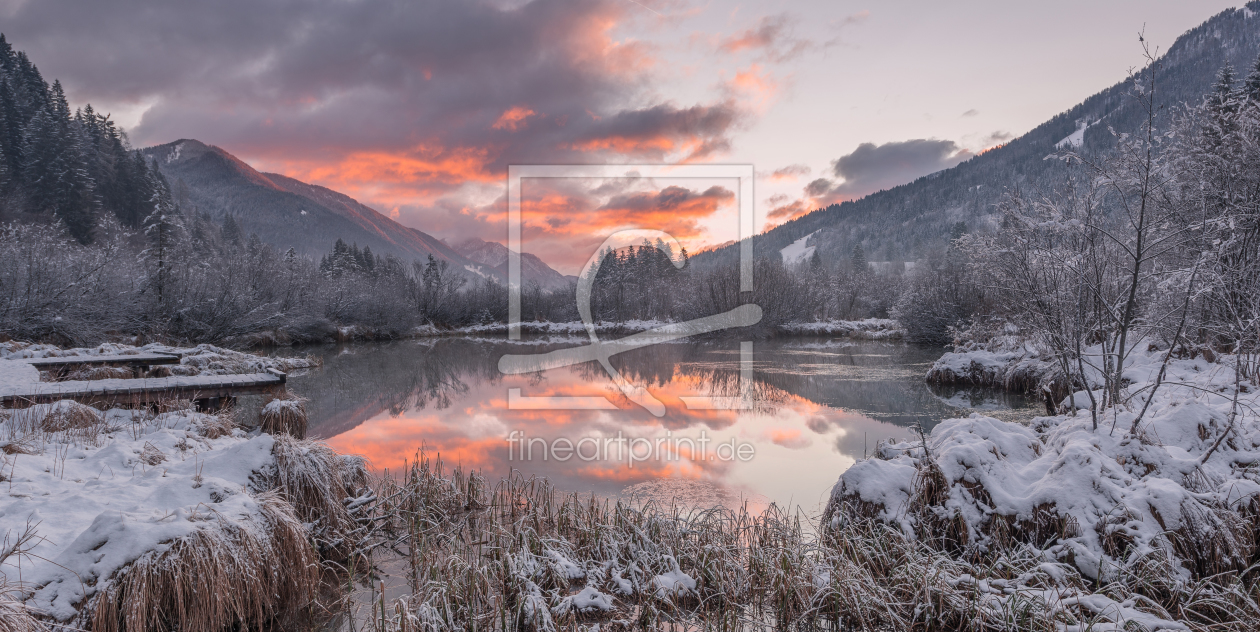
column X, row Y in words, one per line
column 417, row 108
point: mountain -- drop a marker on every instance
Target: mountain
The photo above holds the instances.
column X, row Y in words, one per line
column 310, row 218
column 284, row 211
column 903, row 222
column 493, row 256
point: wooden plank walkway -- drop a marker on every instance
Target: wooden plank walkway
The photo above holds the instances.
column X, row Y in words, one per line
column 67, row 362
column 210, row 389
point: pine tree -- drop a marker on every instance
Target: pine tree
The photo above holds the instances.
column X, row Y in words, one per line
column 1251, row 86
column 232, row 232
column 1222, row 108
column 4, row 162
column 858, row 259
column 55, row 174
column 957, row 231
column 10, row 130
column 163, row 229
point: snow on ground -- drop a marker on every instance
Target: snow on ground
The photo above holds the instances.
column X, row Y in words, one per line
column 1075, row 139
column 1171, row 492
column 1006, row 359
column 867, row 329
column 797, row 251
column 477, row 270
column 199, row 360
column 99, row 503
column 575, row 328
column 16, row 375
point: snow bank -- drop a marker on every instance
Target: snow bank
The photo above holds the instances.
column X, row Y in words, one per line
column 1177, row 496
column 575, row 328
column 868, row 329
column 140, row 492
column 1005, row 359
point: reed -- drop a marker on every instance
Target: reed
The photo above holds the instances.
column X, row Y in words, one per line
column 518, row 555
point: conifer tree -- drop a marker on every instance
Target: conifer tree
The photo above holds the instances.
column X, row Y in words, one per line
column 232, row 232
column 163, row 229
column 1251, row 86
column 858, row 259
column 55, row 175
column 1222, row 108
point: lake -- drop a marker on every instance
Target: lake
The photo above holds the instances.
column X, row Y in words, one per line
column 812, row 407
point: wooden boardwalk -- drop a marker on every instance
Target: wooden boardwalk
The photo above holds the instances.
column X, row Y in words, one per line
column 139, row 362
column 209, row 391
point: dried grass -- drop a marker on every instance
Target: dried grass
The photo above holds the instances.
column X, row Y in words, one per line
column 224, row 576
column 100, row 373
column 14, row 617
column 323, row 487
column 995, row 578
column 234, row 572
column 72, row 421
column 284, row 414
column 513, row 555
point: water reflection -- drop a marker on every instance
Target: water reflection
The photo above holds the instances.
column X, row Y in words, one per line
column 820, row 405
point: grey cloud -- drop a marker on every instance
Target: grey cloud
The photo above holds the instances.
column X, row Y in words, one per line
column 874, row 167
column 997, row 138
column 971, row 112
column 819, row 187
column 326, row 76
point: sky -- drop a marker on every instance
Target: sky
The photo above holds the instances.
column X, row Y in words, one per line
column 416, row 108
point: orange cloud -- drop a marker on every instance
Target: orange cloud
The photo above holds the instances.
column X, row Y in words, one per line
column 513, row 118
column 789, row 173
column 756, row 85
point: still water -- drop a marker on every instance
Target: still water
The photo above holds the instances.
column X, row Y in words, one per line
column 817, row 405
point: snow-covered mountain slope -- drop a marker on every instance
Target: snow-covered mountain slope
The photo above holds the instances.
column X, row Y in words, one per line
column 902, row 222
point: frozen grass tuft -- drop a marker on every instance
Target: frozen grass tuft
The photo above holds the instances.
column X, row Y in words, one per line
column 173, row 520
column 329, row 491
column 284, row 414
column 224, row 575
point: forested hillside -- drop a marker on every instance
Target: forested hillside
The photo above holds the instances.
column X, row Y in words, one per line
column 282, row 211
column 905, row 222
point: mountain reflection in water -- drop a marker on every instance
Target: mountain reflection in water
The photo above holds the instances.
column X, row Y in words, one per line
column 819, row 406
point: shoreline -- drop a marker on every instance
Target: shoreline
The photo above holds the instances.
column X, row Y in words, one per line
column 975, row 521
